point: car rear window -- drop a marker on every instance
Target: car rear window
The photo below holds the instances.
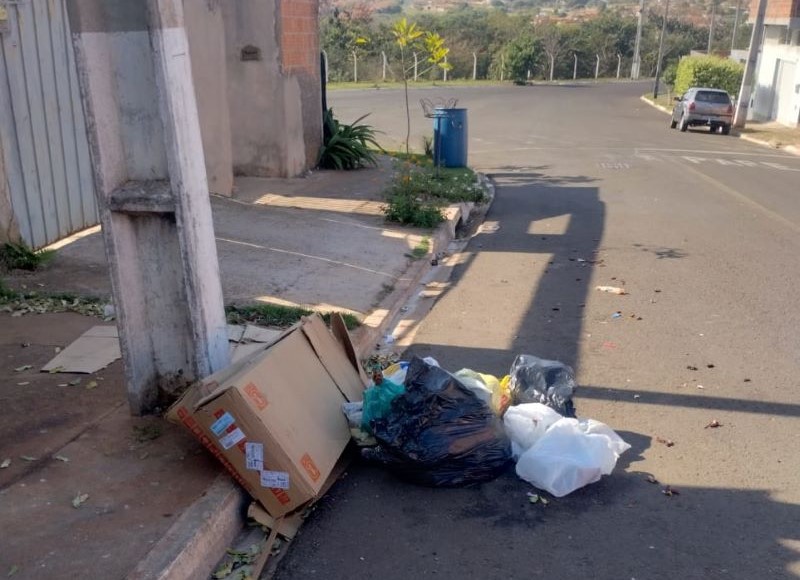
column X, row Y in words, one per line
column 712, row 97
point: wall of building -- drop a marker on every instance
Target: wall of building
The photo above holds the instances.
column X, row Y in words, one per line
column 773, row 101
column 206, row 32
column 273, row 86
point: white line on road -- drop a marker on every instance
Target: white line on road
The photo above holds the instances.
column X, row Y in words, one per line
column 784, row 156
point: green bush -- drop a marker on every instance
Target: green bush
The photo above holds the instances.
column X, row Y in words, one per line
column 708, row 71
column 21, row 257
column 347, row 146
column 670, row 73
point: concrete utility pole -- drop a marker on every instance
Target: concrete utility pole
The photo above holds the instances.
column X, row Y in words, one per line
column 502, row 68
column 325, row 59
column 552, row 65
column 660, row 50
column 383, row 54
column 743, row 102
column 444, row 70
column 711, row 27
column 596, row 66
column 575, row 68
column 474, row 66
column 619, row 64
column 355, row 67
column 637, row 59
column 415, row 67
column 735, row 24
column 137, row 88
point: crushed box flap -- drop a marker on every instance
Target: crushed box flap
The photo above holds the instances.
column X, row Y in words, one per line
column 333, row 357
column 339, row 329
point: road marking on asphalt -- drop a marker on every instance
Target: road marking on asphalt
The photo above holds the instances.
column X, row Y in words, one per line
column 740, row 153
column 737, row 162
column 739, row 196
column 613, row 165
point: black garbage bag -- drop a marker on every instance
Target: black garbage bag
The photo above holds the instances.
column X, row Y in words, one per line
column 536, row 380
column 439, row 433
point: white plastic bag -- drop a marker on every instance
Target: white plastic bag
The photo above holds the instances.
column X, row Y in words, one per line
column 571, row 454
column 525, row 424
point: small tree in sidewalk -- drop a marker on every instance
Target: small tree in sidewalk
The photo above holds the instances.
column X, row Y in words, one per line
column 411, row 39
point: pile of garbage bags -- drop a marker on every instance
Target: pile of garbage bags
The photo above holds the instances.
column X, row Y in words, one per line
column 437, row 428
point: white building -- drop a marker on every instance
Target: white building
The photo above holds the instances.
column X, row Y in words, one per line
column 776, row 95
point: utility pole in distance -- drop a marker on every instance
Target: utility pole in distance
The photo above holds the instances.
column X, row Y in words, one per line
column 743, row 101
column 711, row 27
column 637, row 60
column 735, row 24
column 660, row 50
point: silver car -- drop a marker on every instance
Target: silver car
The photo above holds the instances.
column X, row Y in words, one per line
column 700, row 106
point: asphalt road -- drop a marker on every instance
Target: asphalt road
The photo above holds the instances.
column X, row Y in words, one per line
column 704, row 233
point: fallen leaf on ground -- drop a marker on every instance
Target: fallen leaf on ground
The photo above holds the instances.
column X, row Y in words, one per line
column 61, row 458
column 714, row 424
column 533, row 498
column 544, row 500
column 651, row 479
column 669, row 491
column 27, row 458
column 91, row 384
column 78, row 500
column 23, row 368
column 6, row 463
column 667, row 442
column 225, row 569
column 23, row 383
column 55, row 370
column 691, row 367
column 13, row 570
column 74, row 382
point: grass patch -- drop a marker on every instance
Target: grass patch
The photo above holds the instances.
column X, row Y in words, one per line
column 280, row 316
column 418, row 192
column 664, row 99
column 421, row 249
column 413, row 84
column 21, row 257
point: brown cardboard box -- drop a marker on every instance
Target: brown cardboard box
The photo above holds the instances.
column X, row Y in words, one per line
column 275, row 419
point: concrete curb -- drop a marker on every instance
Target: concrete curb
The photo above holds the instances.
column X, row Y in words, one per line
column 370, row 334
column 788, row 148
column 193, row 545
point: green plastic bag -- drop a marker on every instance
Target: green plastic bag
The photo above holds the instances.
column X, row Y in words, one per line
column 378, row 402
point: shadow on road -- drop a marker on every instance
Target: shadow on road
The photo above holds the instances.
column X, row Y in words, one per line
column 373, row 526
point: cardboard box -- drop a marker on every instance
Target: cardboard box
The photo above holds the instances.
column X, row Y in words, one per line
column 275, row 419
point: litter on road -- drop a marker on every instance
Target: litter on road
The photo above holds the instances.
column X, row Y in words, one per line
column 612, row 290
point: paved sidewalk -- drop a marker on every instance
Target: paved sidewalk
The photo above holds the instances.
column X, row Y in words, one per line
column 320, row 242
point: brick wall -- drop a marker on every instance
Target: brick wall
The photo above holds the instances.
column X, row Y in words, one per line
column 777, row 9
column 300, row 35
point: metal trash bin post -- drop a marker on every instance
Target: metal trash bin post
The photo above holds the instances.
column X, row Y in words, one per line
column 450, row 137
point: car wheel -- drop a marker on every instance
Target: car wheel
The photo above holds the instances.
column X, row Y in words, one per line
column 673, row 123
column 726, row 129
column 683, row 125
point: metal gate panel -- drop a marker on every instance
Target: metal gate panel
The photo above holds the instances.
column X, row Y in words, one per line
column 43, row 129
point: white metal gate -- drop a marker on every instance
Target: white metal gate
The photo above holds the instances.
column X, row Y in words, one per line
column 42, row 126
column 785, row 111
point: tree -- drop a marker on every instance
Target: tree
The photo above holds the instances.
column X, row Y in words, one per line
column 551, row 39
column 521, row 57
column 409, row 37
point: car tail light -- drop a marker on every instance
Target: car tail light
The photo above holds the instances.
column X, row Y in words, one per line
column 691, row 106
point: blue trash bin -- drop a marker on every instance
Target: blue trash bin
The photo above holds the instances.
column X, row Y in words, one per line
column 450, row 137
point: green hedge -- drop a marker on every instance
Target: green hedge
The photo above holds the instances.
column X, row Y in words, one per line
column 708, row 71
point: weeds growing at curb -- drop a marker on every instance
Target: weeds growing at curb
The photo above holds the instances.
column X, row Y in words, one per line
column 280, row 316
column 21, row 257
column 421, row 249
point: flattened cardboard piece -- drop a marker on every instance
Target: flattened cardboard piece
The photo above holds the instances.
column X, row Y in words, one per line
column 334, row 358
column 339, row 330
column 95, row 349
column 254, row 333
column 245, row 350
column 235, row 332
